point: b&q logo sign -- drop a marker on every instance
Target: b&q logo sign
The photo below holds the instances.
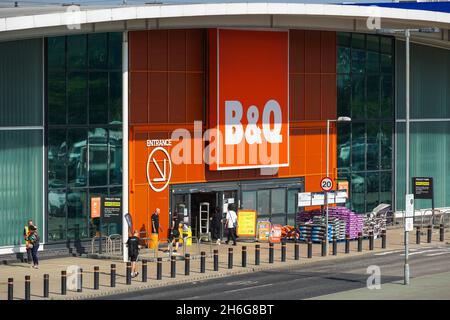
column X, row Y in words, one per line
column 249, row 98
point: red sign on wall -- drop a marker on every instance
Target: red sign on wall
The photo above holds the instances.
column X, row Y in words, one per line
column 249, row 102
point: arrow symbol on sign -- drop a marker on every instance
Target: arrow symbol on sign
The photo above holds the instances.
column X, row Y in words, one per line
column 162, row 174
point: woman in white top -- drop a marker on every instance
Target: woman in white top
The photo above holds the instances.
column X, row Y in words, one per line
column 231, row 224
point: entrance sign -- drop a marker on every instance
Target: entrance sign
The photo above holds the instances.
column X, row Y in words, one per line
column 263, row 230
column 112, row 209
column 423, row 188
column 246, row 223
column 249, row 72
column 326, row 184
column 159, row 169
column 96, row 207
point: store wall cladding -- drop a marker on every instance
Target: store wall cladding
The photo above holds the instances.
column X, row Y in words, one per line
column 365, row 92
column 21, row 138
column 168, row 76
column 84, row 88
column 430, row 129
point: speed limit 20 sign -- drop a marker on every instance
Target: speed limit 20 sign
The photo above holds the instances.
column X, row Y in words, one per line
column 326, row 184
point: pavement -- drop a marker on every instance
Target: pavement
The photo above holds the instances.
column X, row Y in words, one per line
column 53, row 267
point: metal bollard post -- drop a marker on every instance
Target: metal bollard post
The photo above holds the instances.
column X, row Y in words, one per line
column 63, row 282
column 230, row 258
column 271, row 252
column 203, row 262
column 257, row 254
column 324, row 247
column 383, row 239
column 334, row 246
column 144, row 270
column 296, row 250
column 46, row 285
column 113, row 276
column 80, row 282
column 283, row 251
column 371, row 239
column 187, row 264
column 96, row 277
column 216, row 260
column 244, row 256
column 309, row 249
column 27, row 288
column 429, row 234
column 10, row 288
column 360, row 238
column 418, row 235
column 173, row 267
column 441, row 233
column 159, row 269
column 347, row 244
column 128, row 273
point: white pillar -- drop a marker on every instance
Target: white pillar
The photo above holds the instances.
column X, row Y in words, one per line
column 125, row 178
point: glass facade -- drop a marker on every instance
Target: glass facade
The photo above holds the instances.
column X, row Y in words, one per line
column 21, row 139
column 84, row 90
column 365, row 92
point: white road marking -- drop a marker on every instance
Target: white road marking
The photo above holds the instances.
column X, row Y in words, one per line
column 248, row 288
column 437, row 254
column 387, row 252
column 424, row 251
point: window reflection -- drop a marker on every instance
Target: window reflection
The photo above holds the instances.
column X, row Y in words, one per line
column 77, row 214
column 57, row 158
column 56, row 215
column 77, row 157
column 115, row 156
column 98, row 157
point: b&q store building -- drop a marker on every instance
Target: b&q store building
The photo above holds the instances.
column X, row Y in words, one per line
column 171, row 106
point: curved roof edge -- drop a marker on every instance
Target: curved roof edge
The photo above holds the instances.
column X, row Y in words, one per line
column 84, row 16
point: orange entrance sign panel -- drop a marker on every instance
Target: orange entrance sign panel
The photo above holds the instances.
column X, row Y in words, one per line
column 95, row 207
column 246, row 221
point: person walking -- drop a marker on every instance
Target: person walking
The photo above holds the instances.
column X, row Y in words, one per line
column 216, row 223
column 133, row 252
column 34, row 240
column 174, row 234
column 26, row 233
column 231, row 223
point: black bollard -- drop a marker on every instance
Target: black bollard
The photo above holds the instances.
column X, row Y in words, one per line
column 113, row 276
column 371, row 239
column 360, row 238
column 173, row 267
column 296, row 250
column 383, row 239
column 46, row 285
column 203, row 262
column 96, row 277
column 159, row 269
column 429, row 234
column 187, row 264
column 418, row 235
column 347, row 244
column 128, row 273
column 144, row 270
column 63, row 282
column 257, row 254
column 216, row 260
column 334, row 246
column 230, row 258
column 324, row 247
column 283, row 251
column 244, row 256
column 271, row 252
column 27, row 287
column 309, row 249
column 10, row 288
column 441, row 233
column 80, row 280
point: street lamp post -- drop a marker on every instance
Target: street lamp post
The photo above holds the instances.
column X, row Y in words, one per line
column 407, row 34
column 340, row 119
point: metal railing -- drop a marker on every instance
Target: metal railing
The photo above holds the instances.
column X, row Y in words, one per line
column 104, row 244
column 114, row 244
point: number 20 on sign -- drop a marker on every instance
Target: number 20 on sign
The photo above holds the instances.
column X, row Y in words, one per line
column 326, row 184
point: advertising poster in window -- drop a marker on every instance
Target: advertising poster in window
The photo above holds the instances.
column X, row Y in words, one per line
column 246, row 221
column 112, row 210
column 95, row 207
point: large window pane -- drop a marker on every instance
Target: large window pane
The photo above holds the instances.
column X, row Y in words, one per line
column 343, row 39
column 386, row 97
column 249, row 200
column 358, row 146
column 56, row 215
column 77, row 218
column 278, row 201
column 115, row 97
column 77, row 97
column 57, row 158
column 77, row 157
column 344, row 89
column 386, row 63
column 98, row 157
column 358, row 96
column 278, row 219
column 76, row 52
column 263, row 202
column 115, row 50
column 115, row 156
column 372, row 197
column 343, row 60
column 373, row 97
column 343, row 149
column 293, row 201
column 386, row 187
column 373, row 56
column 98, row 97
column 57, row 97
column 56, row 53
column 373, row 148
column 98, row 51
column 358, row 192
column 386, row 145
